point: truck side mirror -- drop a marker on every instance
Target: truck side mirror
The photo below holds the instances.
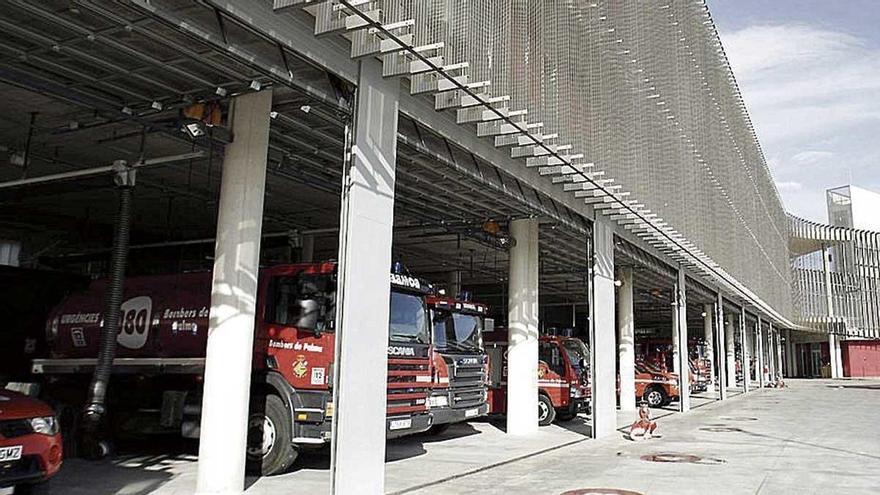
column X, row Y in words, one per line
column 309, row 311
column 583, row 363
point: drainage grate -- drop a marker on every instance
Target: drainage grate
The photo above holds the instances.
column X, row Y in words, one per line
column 721, row 429
column 600, row 491
column 681, row 458
column 738, row 418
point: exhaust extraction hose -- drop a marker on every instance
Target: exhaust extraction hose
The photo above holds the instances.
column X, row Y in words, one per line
column 95, row 404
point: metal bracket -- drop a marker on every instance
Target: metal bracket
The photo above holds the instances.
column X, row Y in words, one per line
column 124, row 174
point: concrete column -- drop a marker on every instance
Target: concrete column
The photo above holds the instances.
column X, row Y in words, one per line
column 837, row 359
column 771, row 353
column 308, row 248
column 683, row 361
column 780, row 366
column 522, row 316
column 730, row 351
column 719, row 355
column 790, row 359
column 626, row 327
column 675, row 329
column 745, row 358
column 833, row 344
column 708, row 337
column 453, row 283
column 759, row 365
column 226, row 396
column 357, row 451
column 602, row 334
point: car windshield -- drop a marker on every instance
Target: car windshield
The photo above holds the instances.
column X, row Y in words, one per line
column 578, row 355
column 457, row 331
column 408, row 319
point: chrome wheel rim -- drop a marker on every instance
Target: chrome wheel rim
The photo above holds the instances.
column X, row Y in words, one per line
column 262, row 436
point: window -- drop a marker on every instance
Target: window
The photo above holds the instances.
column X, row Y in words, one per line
column 283, row 310
column 288, row 295
column 457, row 331
column 408, row 318
column 550, row 354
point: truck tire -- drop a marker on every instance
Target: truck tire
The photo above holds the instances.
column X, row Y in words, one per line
column 655, row 397
column 566, row 414
column 269, row 450
column 546, row 412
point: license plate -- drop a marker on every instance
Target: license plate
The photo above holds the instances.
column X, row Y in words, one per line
column 400, row 424
column 10, row 453
column 470, row 413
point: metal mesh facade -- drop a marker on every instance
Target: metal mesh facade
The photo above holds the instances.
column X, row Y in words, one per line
column 637, row 95
column 853, row 273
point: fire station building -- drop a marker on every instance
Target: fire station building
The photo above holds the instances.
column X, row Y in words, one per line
column 586, row 169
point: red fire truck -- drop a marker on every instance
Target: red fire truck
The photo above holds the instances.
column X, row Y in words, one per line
column 459, row 361
column 656, row 386
column 658, row 354
column 161, row 347
column 563, row 377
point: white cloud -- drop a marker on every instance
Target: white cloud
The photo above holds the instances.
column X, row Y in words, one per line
column 789, row 186
column 814, row 97
column 811, row 157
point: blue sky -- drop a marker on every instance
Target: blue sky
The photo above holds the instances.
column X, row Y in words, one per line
column 809, row 72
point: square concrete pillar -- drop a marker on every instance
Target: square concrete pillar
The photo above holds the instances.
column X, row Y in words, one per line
column 227, row 378
column 626, row 327
column 730, row 351
column 522, row 328
column 675, row 333
column 836, row 356
column 719, row 354
column 357, row 462
column 759, row 352
column 709, row 339
column 602, row 332
column 790, row 358
column 746, row 358
column 683, row 359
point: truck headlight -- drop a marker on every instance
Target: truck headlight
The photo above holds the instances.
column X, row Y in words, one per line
column 575, row 392
column 46, row 425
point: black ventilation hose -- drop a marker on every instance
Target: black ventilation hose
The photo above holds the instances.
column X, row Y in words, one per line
column 95, row 409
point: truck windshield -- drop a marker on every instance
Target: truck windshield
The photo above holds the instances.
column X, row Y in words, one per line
column 577, row 355
column 457, row 331
column 408, row 321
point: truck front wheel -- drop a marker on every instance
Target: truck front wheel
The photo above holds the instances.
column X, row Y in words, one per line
column 546, row 412
column 269, row 450
column 656, row 397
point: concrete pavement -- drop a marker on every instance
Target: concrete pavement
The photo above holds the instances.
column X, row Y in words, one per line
column 816, row 436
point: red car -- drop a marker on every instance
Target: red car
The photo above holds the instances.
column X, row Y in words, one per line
column 30, row 443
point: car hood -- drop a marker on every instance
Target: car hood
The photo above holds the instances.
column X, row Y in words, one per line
column 14, row 405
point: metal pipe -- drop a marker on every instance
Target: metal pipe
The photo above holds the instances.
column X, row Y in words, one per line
column 75, row 174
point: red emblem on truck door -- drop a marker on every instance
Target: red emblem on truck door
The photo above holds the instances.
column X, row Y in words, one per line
column 300, row 366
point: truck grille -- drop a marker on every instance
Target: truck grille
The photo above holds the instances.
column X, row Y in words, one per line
column 467, row 380
column 408, row 384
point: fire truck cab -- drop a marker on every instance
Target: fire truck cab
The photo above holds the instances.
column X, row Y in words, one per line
column 459, row 361
column 563, row 376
